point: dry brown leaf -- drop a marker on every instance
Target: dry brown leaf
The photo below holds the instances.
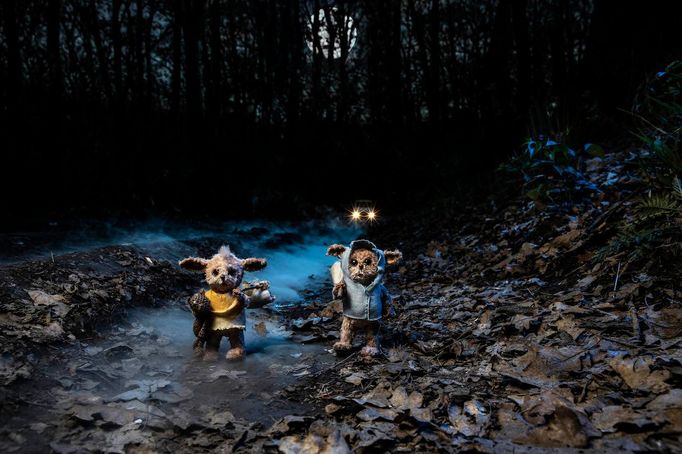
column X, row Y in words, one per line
column 637, row 374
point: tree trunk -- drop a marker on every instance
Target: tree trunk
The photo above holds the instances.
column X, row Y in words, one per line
column 523, row 70
column 13, row 88
column 54, row 9
column 150, row 79
column 557, row 44
column 118, row 54
column 434, row 94
column 394, row 64
column 317, row 60
column 496, row 84
column 100, row 51
column 138, row 36
column 216, row 60
column 296, row 62
column 344, row 33
column 176, row 74
column 192, row 12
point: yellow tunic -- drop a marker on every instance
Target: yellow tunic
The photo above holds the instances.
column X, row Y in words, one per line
column 228, row 311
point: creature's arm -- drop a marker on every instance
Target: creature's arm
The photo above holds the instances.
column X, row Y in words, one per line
column 258, row 294
column 339, row 290
column 242, row 297
column 387, row 309
column 337, row 277
column 201, row 308
column 199, row 305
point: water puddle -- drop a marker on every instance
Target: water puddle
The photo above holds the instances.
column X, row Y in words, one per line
column 145, row 367
column 141, row 371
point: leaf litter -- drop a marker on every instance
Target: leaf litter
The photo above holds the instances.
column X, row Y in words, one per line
column 512, row 335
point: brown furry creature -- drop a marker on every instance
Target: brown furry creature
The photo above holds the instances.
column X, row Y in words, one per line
column 358, row 281
column 219, row 312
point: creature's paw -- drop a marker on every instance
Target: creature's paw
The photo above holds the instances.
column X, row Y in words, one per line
column 339, row 290
column 236, row 291
column 210, row 355
column 369, row 351
column 342, row 346
column 198, row 347
column 235, row 354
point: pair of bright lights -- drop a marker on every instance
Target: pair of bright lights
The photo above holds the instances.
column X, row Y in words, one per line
column 356, row 215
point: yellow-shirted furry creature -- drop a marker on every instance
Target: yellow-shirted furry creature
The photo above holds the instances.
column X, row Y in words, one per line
column 219, row 312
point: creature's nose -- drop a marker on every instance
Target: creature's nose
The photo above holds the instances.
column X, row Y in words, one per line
column 362, row 267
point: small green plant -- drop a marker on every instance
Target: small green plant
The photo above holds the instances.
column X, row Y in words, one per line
column 656, row 207
column 551, row 171
column 657, row 222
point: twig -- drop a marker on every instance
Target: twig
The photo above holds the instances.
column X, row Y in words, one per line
column 583, row 394
column 627, row 344
column 333, row 366
column 615, row 284
column 634, row 114
column 600, row 219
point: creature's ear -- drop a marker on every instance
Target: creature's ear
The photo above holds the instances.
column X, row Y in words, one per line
column 392, row 257
column 194, row 264
column 253, row 264
column 336, row 250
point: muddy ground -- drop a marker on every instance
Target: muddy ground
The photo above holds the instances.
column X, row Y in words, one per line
column 512, row 335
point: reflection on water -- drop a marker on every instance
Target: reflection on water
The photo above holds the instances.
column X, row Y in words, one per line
column 141, row 371
column 153, row 347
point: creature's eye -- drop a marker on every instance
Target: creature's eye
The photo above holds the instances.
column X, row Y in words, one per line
column 368, row 261
column 231, row 271
column 215, row 272
column 353, row 262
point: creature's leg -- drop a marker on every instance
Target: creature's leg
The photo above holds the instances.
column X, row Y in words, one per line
column 198, row 346
column 346, row 341
column 373, row 347
column 212, row 346
column 236, row 350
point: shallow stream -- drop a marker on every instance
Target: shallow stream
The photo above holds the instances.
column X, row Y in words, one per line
column 141, row 370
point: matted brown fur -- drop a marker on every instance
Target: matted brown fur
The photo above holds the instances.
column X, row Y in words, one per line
column 336, row 250
column 350, row 326
column 223, row 273
column 363, row 267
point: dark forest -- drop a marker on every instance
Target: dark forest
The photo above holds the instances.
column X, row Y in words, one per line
column 131, row 104
column 351, row 226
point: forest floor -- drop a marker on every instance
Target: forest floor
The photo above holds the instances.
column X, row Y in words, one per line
column 512, row 335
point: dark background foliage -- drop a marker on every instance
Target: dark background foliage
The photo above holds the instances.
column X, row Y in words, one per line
column 221, row 106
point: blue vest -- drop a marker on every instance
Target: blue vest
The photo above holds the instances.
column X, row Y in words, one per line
column 362, row 302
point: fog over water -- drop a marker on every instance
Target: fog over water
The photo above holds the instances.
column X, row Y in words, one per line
column 295, row 251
